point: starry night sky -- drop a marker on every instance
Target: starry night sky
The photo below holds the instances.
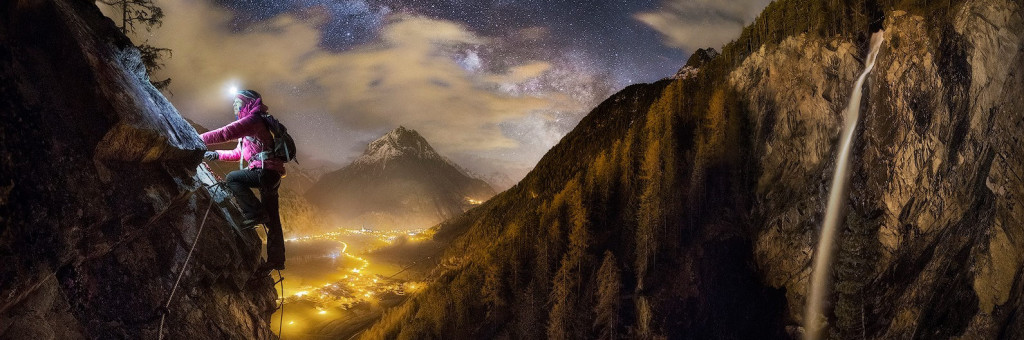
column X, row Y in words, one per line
column 604, row 31
column 492, row 84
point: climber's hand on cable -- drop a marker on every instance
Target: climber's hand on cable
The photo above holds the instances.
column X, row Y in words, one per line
column 211, row 156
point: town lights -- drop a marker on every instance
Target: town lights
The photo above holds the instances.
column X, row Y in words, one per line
column 352, row 283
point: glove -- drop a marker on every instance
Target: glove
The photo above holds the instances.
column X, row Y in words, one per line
column 211, row 156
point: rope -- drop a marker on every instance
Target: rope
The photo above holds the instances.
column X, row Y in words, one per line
column 182, row 273
column 173, row 203
column 210, row 170
column 403, row 269
column 280, row 322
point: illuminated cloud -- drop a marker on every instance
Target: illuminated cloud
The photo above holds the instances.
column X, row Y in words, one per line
column 406, row 79
column 693, row 24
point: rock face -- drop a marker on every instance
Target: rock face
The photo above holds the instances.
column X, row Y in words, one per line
column 699, row 58
column 101, row 199
column 933, row 241
column 691, row 208
column 399, row 182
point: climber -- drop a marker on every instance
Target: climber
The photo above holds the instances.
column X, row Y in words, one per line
column 264, row 171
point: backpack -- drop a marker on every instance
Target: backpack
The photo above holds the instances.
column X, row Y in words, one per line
column 283, row 147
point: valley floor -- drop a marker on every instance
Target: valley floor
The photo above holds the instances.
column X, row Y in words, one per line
column 337, row 283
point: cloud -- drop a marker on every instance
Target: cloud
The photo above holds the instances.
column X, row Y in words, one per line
column 527, row 72
column 418, row 72
column 693, row 24
column 407, row 79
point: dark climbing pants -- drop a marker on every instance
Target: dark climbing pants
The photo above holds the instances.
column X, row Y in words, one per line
column 241, row 182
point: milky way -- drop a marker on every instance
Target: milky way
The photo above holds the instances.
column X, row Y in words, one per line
column 603, row 30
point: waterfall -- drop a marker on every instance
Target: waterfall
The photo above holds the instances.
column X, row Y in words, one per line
column 814, row 315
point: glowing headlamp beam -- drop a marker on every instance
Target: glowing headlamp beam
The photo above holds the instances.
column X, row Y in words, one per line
column 231, row 88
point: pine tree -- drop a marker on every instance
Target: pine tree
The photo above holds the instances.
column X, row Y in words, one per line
column 529, row 312
column 609, row 283
column 649, row 214
column 495, row 284
column 562, row 303
column 567, row 290
column 644, row 318
column 148, row 15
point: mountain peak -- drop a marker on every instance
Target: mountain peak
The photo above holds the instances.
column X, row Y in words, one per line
column 401, row 131
column 400, row 142
column 702, row 56
column 398, row 182
column 693, row 65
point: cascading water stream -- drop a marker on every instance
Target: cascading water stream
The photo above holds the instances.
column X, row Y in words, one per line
column 814, row 315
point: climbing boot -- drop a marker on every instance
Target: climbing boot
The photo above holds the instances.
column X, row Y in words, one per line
column 253, row 222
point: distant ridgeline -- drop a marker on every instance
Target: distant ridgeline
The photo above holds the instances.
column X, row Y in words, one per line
column 851, row 19
column 689, row 208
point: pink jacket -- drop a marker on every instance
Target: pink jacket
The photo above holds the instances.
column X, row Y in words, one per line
column 250, row 123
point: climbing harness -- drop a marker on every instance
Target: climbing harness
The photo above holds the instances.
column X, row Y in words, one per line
column 182, row 273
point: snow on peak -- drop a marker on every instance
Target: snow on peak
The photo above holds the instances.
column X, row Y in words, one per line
column 397, row 143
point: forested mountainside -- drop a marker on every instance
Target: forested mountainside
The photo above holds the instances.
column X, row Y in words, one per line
column 691, row 208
